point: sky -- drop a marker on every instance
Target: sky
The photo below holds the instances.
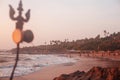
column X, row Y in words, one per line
column 60, row 19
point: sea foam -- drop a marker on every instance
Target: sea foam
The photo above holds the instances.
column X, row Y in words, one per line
column 31, row 63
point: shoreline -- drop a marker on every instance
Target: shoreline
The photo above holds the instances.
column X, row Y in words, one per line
column 52, row 71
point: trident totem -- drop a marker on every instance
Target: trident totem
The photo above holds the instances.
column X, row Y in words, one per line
column 19, row 35
column 20, row 20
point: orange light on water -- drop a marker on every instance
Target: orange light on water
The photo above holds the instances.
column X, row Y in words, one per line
column 17, row 36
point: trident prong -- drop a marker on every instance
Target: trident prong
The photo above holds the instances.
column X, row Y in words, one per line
column 20, row 20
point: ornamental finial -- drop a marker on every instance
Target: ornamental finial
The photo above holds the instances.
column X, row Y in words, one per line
column 20, row 6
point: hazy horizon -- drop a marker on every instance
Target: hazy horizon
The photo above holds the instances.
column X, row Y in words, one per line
column 61, row 19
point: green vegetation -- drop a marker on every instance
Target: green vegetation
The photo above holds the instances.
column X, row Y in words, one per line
column 110, row 42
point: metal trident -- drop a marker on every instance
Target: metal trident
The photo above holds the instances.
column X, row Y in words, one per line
column 20, row 20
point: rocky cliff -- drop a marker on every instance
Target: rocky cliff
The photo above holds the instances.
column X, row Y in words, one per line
column 96, row 73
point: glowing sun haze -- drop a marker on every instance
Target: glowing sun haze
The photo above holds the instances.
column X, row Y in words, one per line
column 61, row 19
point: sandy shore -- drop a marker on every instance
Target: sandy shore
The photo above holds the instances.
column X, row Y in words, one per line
column 52, row 71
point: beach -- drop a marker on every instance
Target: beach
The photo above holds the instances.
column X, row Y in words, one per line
column 82, row 64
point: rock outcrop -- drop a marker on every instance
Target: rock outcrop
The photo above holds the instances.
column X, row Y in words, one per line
column 96, row 73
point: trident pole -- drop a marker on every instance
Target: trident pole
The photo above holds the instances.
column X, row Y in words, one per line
column 16, row 62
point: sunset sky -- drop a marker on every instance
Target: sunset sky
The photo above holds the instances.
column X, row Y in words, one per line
column 61, row 19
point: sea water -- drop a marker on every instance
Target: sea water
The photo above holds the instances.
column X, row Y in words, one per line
column 30, row 63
